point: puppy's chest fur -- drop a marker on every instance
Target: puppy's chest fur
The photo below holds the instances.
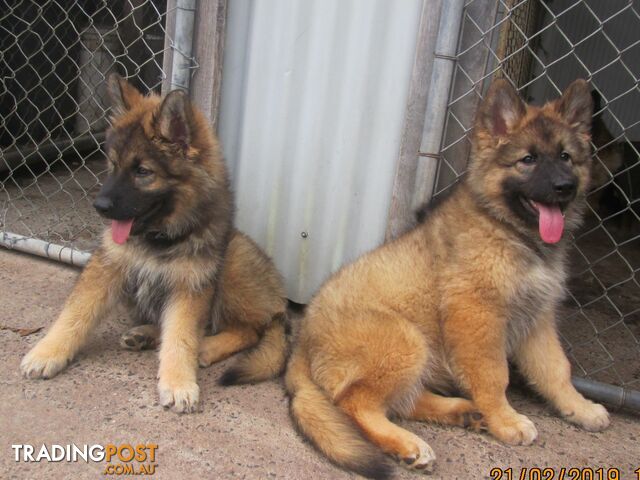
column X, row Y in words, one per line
column 539, row 289
column 150, row 286
column 147, row 293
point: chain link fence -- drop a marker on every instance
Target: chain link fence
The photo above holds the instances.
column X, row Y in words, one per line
column 541, row 46
column 56, row 55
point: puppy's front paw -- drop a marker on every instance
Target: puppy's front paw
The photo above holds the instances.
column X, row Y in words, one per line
column 44, row 361
column 181, row 397
column 515, row 429
column 590, row 416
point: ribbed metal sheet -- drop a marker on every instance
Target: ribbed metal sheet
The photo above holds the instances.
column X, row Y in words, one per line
column 313, row 99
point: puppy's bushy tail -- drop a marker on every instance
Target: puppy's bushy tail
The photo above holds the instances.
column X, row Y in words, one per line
column 266, row 360
column 328, row 428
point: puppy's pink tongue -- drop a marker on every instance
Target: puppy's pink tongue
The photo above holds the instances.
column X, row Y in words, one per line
column 550, row 223
column 120, row 230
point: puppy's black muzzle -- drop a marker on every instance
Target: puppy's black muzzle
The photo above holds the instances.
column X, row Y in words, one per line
column 565, row 188
column 115, row 197
column 119, row 199
column 103, row 205
column 552, row 182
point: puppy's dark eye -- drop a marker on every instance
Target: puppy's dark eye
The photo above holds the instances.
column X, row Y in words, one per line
column 565, row 156
column 142, row 172
column 528, row 160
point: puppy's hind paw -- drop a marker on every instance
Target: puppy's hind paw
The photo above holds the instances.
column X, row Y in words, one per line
column 137, row 340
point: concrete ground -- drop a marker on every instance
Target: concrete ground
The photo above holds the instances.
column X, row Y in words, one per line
column 109, row 396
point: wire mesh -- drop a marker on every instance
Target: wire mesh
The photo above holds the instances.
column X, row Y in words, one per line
column 56, row 54
column 541, row 46
column 55, row 57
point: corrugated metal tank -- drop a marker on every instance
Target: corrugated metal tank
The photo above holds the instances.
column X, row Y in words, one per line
column 314, row 94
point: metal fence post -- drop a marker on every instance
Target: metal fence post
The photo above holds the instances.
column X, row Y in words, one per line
column 426, row 109
column 443, row 68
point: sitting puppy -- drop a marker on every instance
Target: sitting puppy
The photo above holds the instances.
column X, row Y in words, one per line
column 443, row 308
column 172, row 255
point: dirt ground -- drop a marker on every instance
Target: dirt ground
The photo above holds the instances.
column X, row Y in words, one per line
column 53, row 201
column 109, row 396
column 600, row 318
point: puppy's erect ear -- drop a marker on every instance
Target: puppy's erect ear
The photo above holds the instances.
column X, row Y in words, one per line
column 576, row 106
column 501, row 109
column 123, row 95
column 173, row 121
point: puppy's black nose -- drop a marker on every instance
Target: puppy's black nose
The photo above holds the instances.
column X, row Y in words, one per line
column 103, row 205
column 564, row 186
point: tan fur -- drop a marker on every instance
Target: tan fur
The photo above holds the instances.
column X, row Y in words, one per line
column 329, row 428
column 186, row 270
column 252, row 306
column 88, row 302
column 183, row 323
column 249, row 274
column 251, row 310
column 442, row 309
column 224, row 344
column 431, row 407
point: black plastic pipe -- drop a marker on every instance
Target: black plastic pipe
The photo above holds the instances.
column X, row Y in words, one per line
column 612, row 395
